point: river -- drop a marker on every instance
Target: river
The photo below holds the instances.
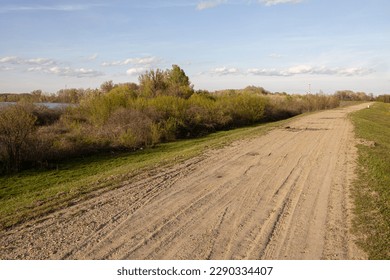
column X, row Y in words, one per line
column 48, row 105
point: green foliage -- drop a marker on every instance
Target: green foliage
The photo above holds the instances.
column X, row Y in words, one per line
column 172, row 82
column 100, row 107
column 16, row 125
column 372, row 192
column 178, row 83
column 243, row 108
column 384, row 98
column 349, row 95
column 153, row 83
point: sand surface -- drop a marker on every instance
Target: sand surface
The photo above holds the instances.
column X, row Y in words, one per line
column 284, row 195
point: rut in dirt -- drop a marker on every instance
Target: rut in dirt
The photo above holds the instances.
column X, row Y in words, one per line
column 284, row 195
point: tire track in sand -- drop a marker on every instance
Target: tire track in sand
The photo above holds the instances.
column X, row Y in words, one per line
column 284, row 195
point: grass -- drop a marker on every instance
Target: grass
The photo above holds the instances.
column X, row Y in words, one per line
column 33, row 193
column 372, row 187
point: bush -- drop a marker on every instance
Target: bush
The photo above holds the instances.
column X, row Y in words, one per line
column 17, row 124
column 130, row 128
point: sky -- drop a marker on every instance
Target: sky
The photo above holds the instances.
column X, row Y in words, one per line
column 294, row 46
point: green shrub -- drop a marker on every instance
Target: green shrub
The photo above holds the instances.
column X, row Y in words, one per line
column 17, row 124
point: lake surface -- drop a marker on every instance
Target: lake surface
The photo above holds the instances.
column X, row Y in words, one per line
column 48, row 105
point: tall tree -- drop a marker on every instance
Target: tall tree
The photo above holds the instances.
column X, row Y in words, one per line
column 153, row 83
column 178, row 83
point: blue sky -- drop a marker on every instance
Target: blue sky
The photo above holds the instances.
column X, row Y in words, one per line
column 281, row 45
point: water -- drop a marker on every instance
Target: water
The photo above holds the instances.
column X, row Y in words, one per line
column 48, row 105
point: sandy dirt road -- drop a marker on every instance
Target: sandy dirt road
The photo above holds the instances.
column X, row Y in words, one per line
column 284, row 195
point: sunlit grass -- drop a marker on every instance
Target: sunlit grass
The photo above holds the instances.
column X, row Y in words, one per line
column 372, row 188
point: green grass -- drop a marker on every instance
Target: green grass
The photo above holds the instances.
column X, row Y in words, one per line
column 372, row 187
column 33, row 193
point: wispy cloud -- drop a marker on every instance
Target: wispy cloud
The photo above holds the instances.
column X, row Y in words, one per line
column 9, row 60
column 93, row 57
column 136, row 71
column 276, row 2
column 149, row 60
column 310, row 70
column 275, row 55
column 45, row 65
column 6, row 68
column 67, row 71
column 203, row 5
column 36, row 8
column 31, row 61
column 296, row 70
column 208, row 4
column 225, row 71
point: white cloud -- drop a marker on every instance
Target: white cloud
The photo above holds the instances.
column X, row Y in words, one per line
column 93, row 57
column 275, row 55
column 149, row 60
column 203, row 5
column 33, row 8
column 299, row 69
column 135, row 71
column 276, row 2
column 67, row 71
column 5, row 68
column 264, row 72
column 225, row 71
column 77, row 72
column 310, row 70
column 30, row 61
column 9, row 60
column 354, row 71
column 38, row 61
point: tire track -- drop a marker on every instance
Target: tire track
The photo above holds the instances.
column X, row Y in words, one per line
column 284, row 195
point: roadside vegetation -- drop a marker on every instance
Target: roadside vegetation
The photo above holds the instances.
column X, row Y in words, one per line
column 33, row 193
column 162, row 108
column 372, row 192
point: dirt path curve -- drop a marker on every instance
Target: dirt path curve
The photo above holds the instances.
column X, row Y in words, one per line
column 284, row 195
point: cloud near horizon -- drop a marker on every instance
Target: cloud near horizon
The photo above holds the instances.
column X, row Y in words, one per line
column 276, row 2
column 293, row 71
column 309, row 70
column 149, row 60
column 67, row 71
column 31, row 61
column 225, row 71
column 209, row 4
column 37, row 8
column 45, row 65
column 136, row 71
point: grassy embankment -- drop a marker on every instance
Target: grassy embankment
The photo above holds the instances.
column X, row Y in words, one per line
column 372, row 186
column 33, row 193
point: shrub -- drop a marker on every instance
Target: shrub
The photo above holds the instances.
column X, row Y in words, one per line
column 17, row 124
column 130, row 128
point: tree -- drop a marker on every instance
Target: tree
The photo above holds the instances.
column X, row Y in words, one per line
column 178, row 83
column 153, row 83
column 16, row 125
column 172, row 82
column 107, row 86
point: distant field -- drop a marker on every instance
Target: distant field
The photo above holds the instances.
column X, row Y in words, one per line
column 372, row 191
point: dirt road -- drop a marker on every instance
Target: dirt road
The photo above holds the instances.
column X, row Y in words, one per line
column 284, row 195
